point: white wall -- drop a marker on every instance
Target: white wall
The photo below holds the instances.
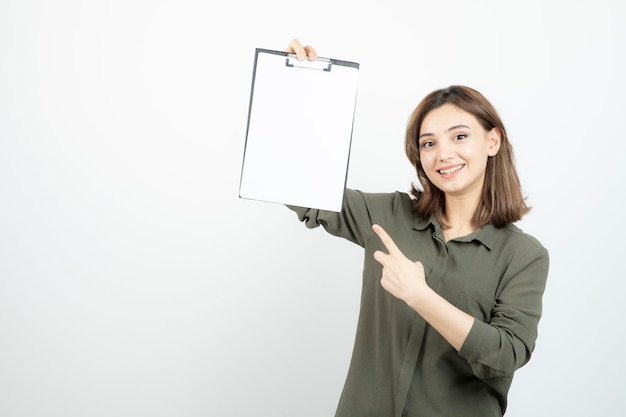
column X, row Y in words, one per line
column 135, row 282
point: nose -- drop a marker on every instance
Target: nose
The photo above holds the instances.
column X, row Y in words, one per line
column 446, row 152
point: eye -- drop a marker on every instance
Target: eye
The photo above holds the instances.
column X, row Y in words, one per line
column 427, row 144
column 460, row 136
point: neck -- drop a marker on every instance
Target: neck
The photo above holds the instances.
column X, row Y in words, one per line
column 459, row 214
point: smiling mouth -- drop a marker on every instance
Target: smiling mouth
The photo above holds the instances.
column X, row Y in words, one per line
column 451, row 170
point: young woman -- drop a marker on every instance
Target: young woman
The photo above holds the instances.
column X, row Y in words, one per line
column 452, row 289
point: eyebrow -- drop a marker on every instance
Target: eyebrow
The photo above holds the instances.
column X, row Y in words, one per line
column 449, row 130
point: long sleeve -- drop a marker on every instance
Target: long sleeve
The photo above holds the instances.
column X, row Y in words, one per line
column 360, row 211
column 505, row 343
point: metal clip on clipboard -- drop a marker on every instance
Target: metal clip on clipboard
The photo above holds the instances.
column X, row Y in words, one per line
column 324, row 64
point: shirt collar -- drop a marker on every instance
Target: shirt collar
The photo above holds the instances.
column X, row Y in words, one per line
column 486, row 235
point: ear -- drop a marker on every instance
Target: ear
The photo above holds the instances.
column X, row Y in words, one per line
column 494, row 137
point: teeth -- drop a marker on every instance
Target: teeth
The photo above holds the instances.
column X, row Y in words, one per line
column 451, row 170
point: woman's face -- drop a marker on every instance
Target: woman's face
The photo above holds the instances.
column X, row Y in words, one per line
column 454, row 149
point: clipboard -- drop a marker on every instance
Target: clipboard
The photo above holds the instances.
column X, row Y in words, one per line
column 299, row 130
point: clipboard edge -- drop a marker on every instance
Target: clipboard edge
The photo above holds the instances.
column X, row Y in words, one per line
column 333, row 61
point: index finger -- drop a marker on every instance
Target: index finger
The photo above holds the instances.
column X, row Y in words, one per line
column 310, row 52
column 386, row 239
column 302, row 52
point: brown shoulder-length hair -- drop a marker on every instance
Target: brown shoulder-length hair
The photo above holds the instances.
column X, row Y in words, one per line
column 502, row 202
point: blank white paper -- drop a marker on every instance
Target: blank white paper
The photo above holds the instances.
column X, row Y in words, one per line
column 299, row 132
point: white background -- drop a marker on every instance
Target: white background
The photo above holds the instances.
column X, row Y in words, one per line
column 135, row 282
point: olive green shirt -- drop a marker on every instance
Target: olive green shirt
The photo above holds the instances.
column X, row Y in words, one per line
column 400, row 365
